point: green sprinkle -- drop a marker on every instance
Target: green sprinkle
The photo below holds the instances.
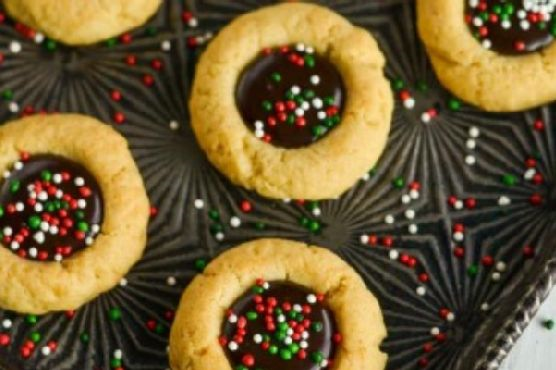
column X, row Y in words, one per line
column 80, row 215
column 1, row 211
column 267, row 105
column 46, row 175
column 373, row 171
column 280, row 335
column 34, row 222
column 319, row 130
column 508, row 8
column 7, row 94
column 309, row 94
column 251, row 315
column 283, row 327
column 258, row 289
column 214, row 215
column 294, row 348
column 312, row 205
column 309, row 60
column 291, row 119
column 299, row 100
column 304, row 221
column 159, row 329
column 317, row 357
column 50, row 45
column 541, row 25
column 285, row 354
column 115, row 314
column 115, row 363
column 35, row 336
column 509, row 180
column 111, row 42
column 422, row 86
column 328, row 101
column 273, row 349
column 151, row 31
column 31, row 319
column 83, row 226
column 278, row 311
column 260, row 225
column 314, row 226
column 398, row 182
column 317, row 327
column 328, row 122
column 50, row 207
column 84, row 337
column 14, row 186
column 200, row 264
column 472, row 270
column 216, row 228
column 398, row 84
column 276, row 77
column 497, row 9
column 241, row 367
column 454, row 104
column 484, row 16
column 289, row 95
column 549, row 324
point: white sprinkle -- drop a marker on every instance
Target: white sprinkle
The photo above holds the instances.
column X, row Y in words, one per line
column 297, row 307
column 451, row 317
column 53, row 230
column 309, row 49
column 44, row 226
column 166, row 45
column 235, row 221
column 321, row 115
column 425, row 117
column 316, row 212
column 15, row 47
column 305, row 106
column 458, row 236
column 89, row 240
column 305, row 335
column 14, row 245
column 174, row 125
column 219, row 236
column 57, row 178
column 33, row 195
column 123, row 282
column 6, row 174
column 413, row 229
column 39, row 38
column 364, row 239
column 288, row 341
column 199, row 203
column 266, row 285
column 45, row 351
column 19, row 206
column 324, row 363
column 18, row 165
column 409, row 103
column 470, row 160
column 406, row 199
column 193, row 22
column 295, row 89
column 458, row 204
column 435, row 331
column 8, row 231
column 485, row 306
column 414, row 194
column 471, row 144
column 299, row 112
column 58, row 257
column 7, row 323
column 389, row 219
column 366, row 177
column 118, row 354
column 43, row 195
column 259, row 133
column 257, row 338
column 171, row 281
column 281, row 318
column 82, row 203
column 312, row 299
column 421, row 290
column 315, row 79
column 477, row 22
column 524, row 24
column 474, row 132
column 95, row 228
column 259, row 125
column 410, row 214
column 506, row 24
column 504, row 201
column 232, row 318
column 39, row 237
column 501, row 266
column 303, row 344
column 13, row 107
column 495, row 276
column 521, row 14
column 529, row 174
column 394, row 254
column 79, row 181
column 486, row 43
column 300, row 47
column 473, row 3
column 233, row 346
column 317, row 103
column 289, row 332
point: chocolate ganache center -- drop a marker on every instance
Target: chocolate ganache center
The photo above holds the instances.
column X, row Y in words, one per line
column 50, row 208
column 512, row 27
column 280, row 325
column 290, row 96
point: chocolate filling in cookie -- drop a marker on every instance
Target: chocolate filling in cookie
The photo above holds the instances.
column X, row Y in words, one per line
column 512, row 27
column 290, row 96
column 50, row 208
column 279, row 325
